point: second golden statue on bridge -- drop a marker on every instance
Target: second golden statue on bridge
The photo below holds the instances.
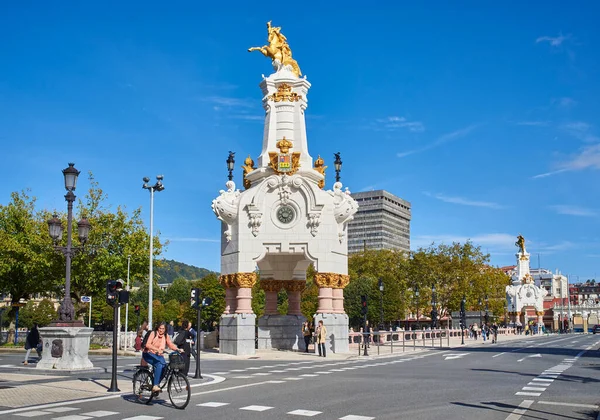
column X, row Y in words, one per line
column 278, row 50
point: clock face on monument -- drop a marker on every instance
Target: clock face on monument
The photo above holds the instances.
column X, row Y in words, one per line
column 285, row 214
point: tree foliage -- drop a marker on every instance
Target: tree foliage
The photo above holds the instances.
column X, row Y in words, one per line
column 41, row 313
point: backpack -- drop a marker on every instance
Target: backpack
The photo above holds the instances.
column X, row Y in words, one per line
column 145, row 339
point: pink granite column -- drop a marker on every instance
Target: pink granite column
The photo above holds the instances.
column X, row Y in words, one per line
column 338, row 301
column 341, row 282
column 325, row 300
column 230, row 300
column 271, row 288
column 244, row 283
column 294, row 290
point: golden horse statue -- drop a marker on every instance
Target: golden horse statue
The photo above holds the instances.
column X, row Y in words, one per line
column 278, row 49
column 520, row 243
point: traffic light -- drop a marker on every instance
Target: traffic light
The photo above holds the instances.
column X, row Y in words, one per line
column 137, row 309
column 112, row 294
column 363, row 305
column 195, row 298
column 206, row 301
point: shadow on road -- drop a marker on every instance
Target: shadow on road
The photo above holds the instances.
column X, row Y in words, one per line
column 509, row 408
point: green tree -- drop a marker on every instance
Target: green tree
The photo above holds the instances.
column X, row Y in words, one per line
column 42, row 313
column 179, row 290
column 28, row 263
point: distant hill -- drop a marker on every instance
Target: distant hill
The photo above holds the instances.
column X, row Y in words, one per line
column 171, row 270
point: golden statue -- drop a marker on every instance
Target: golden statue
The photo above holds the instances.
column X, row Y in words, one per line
column 248, row 167
column 320, row 167
column 278, row 49
column 521, row 243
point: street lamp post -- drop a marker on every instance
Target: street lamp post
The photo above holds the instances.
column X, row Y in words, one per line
column 337, row 163
column 433, row 308
column 487, row 317
column 66, row 312
column 230, row 164
column 463, row 319
column 417, row 303
column 480, row 303
column 127, row 304
column 152, row 188
column 381, row 303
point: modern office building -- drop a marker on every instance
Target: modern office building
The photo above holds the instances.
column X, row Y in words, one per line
column 382, row 222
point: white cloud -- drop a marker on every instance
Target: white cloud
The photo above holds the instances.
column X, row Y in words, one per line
column 464, row 201
column 177, row 239
column 580, row 130
column 394, row 122
column 499, row 241
column 573, row 210
column 440, row 140
column 553, row 41
column 534, row 123
column 226, row 101
column 566, row 102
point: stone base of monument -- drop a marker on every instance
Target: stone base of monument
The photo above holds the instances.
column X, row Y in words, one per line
column 66, row 347
column 237, row 334
column 337, row 331
column 280, row 332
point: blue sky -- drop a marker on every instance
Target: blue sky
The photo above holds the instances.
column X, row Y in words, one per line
column 484, row 117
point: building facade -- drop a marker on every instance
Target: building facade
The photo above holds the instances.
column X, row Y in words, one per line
column 382, row 222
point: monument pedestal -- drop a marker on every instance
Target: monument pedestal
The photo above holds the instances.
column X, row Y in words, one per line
column 281, row 332
column 237, row 334
column 65, row 347
column 337, row 331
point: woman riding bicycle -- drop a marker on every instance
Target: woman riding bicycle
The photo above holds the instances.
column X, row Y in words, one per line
column 153, row 352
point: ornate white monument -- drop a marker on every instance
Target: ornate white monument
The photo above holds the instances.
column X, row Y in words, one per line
column 523, row 294
column 281, row 223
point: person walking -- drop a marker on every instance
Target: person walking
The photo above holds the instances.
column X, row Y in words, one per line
column 494, row 333
column 185, row 341
column 31, row 342
column 321, row 338
column 171, row 329
column 306, row 333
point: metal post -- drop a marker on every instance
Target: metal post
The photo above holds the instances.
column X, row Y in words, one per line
column 113, row 379
column 16, row 326
column 1, row 315
column 151, row 274
column 90, row 314
column 198, row 374
column 366, row 353
column 119, row 327
column 127, row 304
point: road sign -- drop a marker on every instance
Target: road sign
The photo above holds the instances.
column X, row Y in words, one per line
column 86, row 299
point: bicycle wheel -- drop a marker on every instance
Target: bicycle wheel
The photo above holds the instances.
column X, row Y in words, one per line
column 179, row 390
column 142, row 386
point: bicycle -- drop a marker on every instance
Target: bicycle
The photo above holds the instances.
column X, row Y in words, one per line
column 176, row 382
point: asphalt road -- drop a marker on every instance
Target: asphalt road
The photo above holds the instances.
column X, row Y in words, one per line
column 554, row 377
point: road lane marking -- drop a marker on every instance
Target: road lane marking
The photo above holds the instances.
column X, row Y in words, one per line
column 499, row 354
column 452, row 356
column 568, row 404
column 352, row 417
column 527, row 357
column 256, row 408
column 305, row 413
column 212, row 404
column 531, row 394
column 518, row 412
column 543, row 380
column 531, row 388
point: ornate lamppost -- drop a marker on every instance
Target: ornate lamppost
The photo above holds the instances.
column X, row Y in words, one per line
column 480, row 304
column 66, row 312
column 433, row 308
column 337, row 163
column 158, row 187
column 230, row 164
column 463, row 319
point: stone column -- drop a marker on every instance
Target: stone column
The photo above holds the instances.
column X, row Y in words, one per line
column 271, row 288
column 243, row 297
column 338, row 293
column 325, row 282
column 294, row 290
column 230, row 293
